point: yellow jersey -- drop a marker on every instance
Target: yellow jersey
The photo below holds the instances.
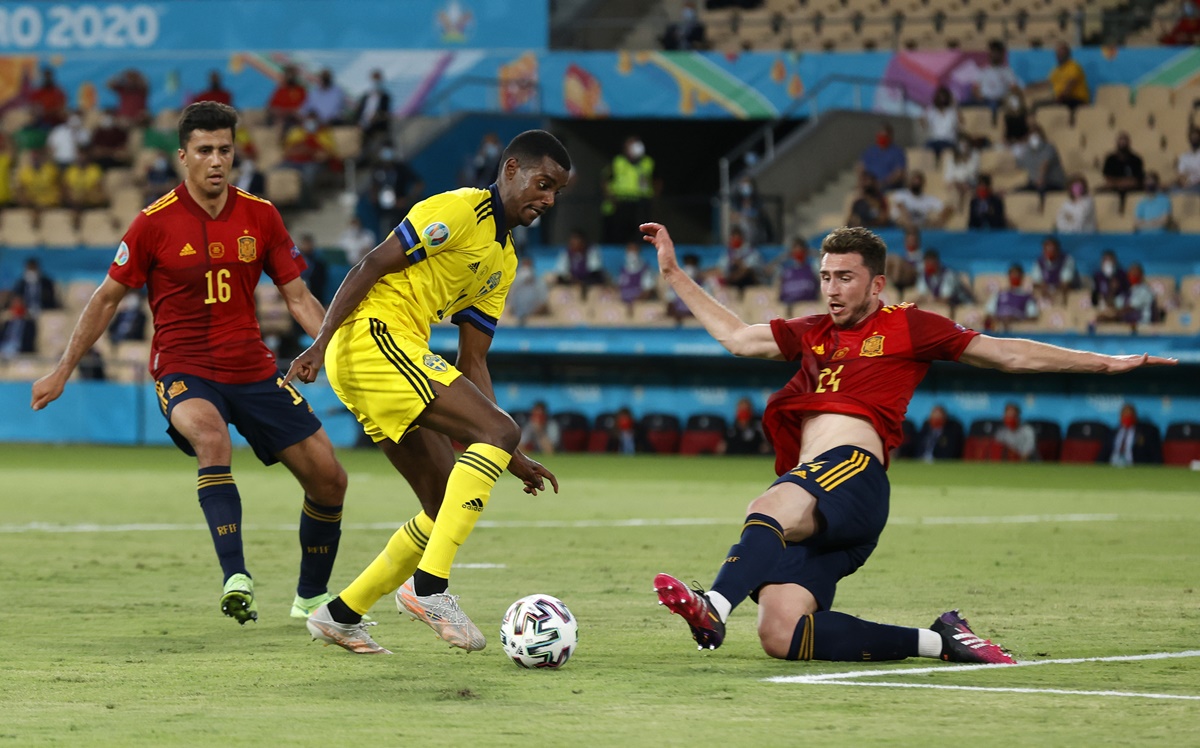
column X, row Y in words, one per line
column 1068, row 79
column 462, row 263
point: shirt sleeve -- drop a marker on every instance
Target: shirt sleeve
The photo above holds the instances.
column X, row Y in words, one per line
column 789, row 335
column 485, row 314
column 438, row 223
column 936, row 338
column 282, row 261
column 131, row 265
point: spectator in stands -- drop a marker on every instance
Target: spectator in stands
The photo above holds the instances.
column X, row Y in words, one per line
column 744, row 435
column 1067, row 83
column 1110, row 287
column 110, row 143
column 901, row 267
column 528, row 295
column 481, row 170
column 1152, row 214
column 995, row 79
column 1053, row 273
column 797, row 278
column 915, row 208
column 748, row 212
column 6, row 169
column 129, row 323
column 580, row 263
column 91, row 366
column 216, row 90
column 133, row 91
column 308, row 147
column 1015, row 114
column 83, row 184
column 1132, row 445
column 637, row 281
column 67, row 139
column 1124, row 171
column 939, row 438
column 393, row 189
column 1186, row 31
column 676, row 309
column 35, row 289
column 160, row 177
column 541, row 432
column 740, row 265
column 18, row 334
column 356, row 241
column 316, row 275
column 249, row 178
column 986, row 210
column 48, row 101
column 870, row 208
column 1012, row 304
column 1078, row 214
column 374, row 114
column 629, row 188
column 327, row 101
column 936, row 282
column 287, row 99
column 1016, row 438
column 38, row 184
column 942, row 122
column 1135, row 306
column 961, row 171
column 688, row 32
column 1188, row 164
column 1040, row 160
column 885, row 160
column 624, row 437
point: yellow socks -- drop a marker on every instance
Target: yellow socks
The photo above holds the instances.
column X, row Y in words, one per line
column 467, row 492
column 390, row 568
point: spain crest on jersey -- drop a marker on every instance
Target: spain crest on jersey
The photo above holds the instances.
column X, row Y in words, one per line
column 247, row 248
column 872, row 346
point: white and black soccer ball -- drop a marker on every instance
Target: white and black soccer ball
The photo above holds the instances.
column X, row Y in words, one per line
column 538, row 631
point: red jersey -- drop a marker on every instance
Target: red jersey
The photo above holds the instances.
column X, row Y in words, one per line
column 869, row 370
column 201, row 272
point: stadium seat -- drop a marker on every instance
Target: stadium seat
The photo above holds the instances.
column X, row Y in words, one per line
column 58, row 229
column 1112, row 96
column 17, row 229
column 1189, row 291
column 1086, row 441
column 599, row 440
column 981, row 444
column 661, row 432
column 1049, row 439
column 78, row 293
column 1182, row 445
column 573, row 430
column 702, row 434
column 284, row 186
column 97, row 229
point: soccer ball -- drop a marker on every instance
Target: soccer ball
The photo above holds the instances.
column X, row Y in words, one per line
column 539, row 631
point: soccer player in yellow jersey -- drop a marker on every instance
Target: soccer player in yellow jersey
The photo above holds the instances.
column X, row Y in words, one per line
column 452, row 256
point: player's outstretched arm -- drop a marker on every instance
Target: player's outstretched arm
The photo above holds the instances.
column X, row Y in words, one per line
column 1021, row 356
column 93, row 321
column 740, row 339
column 387, row 258
column 303, row 306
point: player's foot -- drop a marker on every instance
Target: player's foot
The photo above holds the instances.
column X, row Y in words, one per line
column 961, row 644
column 349, row 636
column 442, row 614
column 707, row 628
column 303, row 607
column 237, row 599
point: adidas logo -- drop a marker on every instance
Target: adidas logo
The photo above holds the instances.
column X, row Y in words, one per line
column 475, row 505
column 187, row 250
column 473, row 267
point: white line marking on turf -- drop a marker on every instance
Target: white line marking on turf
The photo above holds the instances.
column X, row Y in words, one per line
column 49, row 527
column 851, row 678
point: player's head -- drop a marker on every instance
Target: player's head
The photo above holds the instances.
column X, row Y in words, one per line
column 206, row 133
column 533, row 169
column 852, row 276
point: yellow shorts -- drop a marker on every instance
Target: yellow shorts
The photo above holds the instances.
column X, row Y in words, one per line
column 383, row 376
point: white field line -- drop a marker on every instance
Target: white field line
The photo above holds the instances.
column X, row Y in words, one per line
column 852, row 678
column 49, row 527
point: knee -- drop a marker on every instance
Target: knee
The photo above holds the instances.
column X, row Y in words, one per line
column 503, row 432
column 763, row 505
column 775, row 636
column 329, row 488
column 212, row 447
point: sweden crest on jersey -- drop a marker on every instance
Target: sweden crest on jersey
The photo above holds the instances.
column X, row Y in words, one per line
column 435, row 362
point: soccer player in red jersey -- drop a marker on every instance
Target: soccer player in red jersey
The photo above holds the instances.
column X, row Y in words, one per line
column 832, row 426
column 201, row 250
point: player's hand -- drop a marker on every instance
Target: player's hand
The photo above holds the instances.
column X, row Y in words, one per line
column 1122, row 364
column 305, row 366
column 532, row 473
column 47, row 389
column 656, row 234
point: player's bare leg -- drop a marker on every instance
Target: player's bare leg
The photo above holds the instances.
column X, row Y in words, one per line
column 199, row 421
column 425, row 458
column 323, row 479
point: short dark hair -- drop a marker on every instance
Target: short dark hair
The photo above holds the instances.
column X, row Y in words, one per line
column 532, row 146
column 209, row 116
column 856, row 239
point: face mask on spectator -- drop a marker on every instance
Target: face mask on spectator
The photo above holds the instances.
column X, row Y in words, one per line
column 883, row 140
column 982, row 192
column 1108, row 268
column 1077, row 189
column 746, row 189
column 1035, row 140
column 637, row 149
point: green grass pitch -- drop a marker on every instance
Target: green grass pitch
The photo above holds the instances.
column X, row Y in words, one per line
column 112, row 634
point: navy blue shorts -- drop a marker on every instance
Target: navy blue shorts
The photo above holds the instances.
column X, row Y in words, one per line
column 852, row 492
column 270, row 417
